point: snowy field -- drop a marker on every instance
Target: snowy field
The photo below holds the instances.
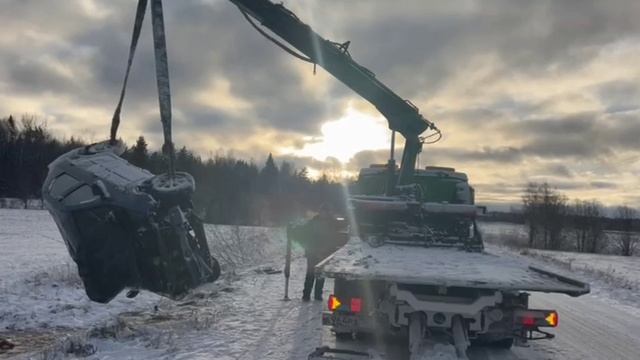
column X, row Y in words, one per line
column 623, row 271
column 516, row 235
column 45, row 312
column 620, row 274
column 39, row 286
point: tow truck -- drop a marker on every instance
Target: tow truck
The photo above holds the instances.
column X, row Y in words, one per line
column 415, row 266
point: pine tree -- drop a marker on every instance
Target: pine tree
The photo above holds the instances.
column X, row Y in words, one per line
column 140, row 153
column 269, row 176
column 286, row 169
column 13, row 129
column 303, row 174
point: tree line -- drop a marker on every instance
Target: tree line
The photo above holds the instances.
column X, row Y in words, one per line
column 228, row 190
column 554, row 222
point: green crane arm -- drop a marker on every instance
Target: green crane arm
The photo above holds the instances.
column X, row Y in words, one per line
column 401, row 114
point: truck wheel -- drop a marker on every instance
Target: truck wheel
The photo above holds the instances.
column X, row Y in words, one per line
column 506, row 343
column 417, row 323
column 343, row 336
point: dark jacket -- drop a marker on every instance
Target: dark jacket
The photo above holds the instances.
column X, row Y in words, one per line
column 320, row 236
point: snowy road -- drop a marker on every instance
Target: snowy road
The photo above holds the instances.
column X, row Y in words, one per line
column 253, row 323
column 592, row 328
column 242, row 317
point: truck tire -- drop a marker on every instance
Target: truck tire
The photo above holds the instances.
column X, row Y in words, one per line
column 506, row 344
column 343, row 336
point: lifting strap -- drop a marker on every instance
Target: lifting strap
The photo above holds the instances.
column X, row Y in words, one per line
column 162, row 79
column 115, row 121
column 162, row 75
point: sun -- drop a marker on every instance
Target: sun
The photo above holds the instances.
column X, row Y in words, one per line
column 355, row 131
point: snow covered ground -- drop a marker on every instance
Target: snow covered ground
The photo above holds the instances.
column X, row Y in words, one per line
column 623, row 270
column 617, row 276
column 44, row 310
column 39, row 286
column 516, row 235
column 601, row 325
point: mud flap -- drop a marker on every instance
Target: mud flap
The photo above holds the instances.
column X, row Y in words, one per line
column 328, row 353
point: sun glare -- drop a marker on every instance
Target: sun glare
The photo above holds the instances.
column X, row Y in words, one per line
column 343, row 138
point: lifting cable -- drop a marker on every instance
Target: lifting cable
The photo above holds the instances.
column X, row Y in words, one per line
column 162, row 76
column 276, row 41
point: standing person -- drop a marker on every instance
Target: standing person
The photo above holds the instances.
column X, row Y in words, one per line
column 323, row 238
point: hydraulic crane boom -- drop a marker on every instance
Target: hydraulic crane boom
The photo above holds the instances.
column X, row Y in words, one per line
column 402, row 116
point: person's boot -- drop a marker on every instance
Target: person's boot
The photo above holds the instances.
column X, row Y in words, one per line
column 318, row 289
column 308, row 286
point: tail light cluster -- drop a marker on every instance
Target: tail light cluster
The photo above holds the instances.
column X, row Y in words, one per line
column 536, row 318
column 334, row 303
column 355, row 304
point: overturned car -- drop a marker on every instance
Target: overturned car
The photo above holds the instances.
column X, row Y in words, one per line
column 125, row 227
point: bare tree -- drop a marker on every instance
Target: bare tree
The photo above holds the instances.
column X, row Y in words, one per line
column 531, row 209
column 626, row 216
column 587, row 225
column 579, row 224
column 545, row 212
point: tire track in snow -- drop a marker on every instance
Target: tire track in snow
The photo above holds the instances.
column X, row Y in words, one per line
column 591, row 328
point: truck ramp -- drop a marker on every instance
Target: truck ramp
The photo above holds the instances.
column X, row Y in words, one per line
column 446, row 267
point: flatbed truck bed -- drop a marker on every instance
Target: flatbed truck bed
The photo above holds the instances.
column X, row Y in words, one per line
column 446, row 267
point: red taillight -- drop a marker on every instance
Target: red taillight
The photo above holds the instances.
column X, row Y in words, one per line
column 356, row 305
column 536, row 318
column 528, row 321
column 333, row 303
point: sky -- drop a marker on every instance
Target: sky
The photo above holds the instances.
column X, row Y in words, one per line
column 522, row 90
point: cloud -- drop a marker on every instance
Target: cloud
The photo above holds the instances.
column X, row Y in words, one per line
column 603, row 185
column 522, row 89
column 619, row 96
column 557, row 169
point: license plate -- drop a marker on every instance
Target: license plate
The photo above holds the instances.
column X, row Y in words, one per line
column 340, row 320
